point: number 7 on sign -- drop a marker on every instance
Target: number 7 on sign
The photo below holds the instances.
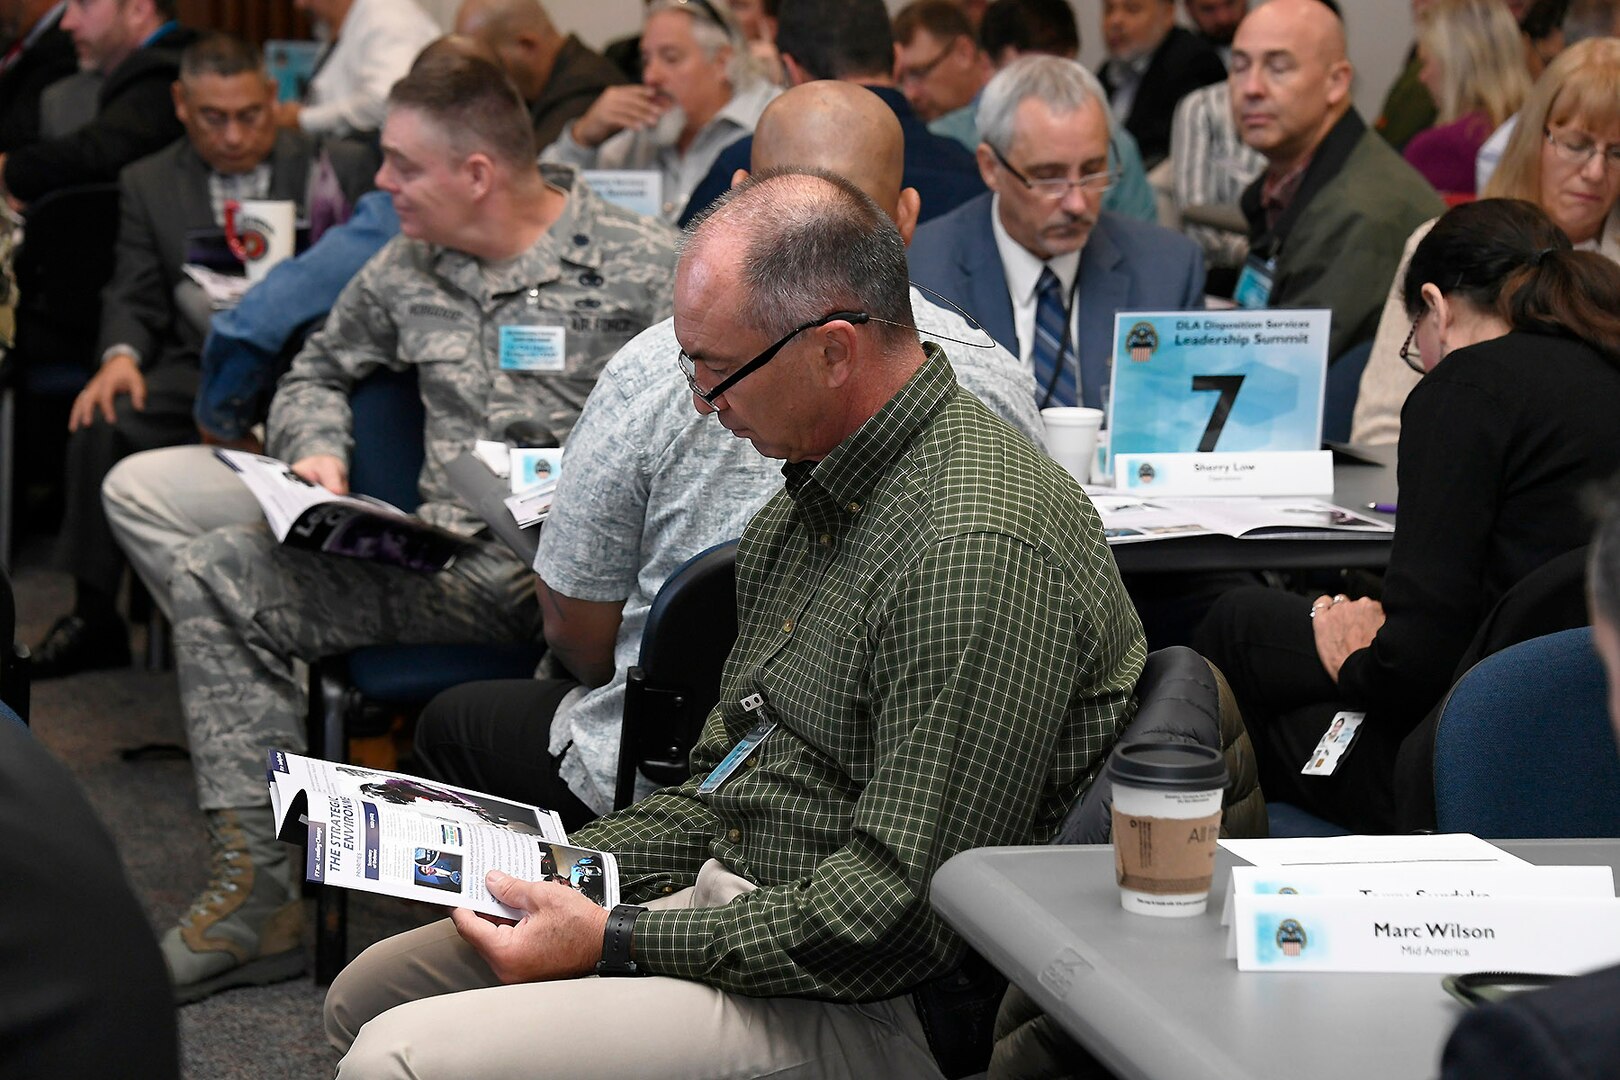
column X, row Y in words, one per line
column 1227, row 386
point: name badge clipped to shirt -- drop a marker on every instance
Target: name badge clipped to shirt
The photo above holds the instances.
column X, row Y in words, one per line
column 1334, row 744
column 750, row 742
column 1254, row 283
column 534, row 348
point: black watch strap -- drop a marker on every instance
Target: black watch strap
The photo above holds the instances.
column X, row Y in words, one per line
column 616, row 942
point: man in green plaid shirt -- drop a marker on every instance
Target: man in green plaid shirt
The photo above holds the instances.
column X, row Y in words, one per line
column 934, row 653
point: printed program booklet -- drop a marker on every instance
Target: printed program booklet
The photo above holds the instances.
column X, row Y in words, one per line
column 306, row 515
column 403, row 836
column 1130, row 519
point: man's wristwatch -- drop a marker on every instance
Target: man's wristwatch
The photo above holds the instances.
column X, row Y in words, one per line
column 616, row 942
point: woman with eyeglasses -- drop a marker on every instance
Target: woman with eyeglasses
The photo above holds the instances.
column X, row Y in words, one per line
column 700, row 91
column 1518, row 412
column 1564, row 156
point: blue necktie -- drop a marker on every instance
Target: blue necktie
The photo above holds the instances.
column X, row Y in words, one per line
column 1049, row 336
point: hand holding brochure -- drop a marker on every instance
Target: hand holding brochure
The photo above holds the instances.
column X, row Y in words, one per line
column 403, row 836
column 306, row 515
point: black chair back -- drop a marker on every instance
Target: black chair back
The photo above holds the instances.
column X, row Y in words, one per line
column 689, row 633
column 14, row 661
column 1177, row 701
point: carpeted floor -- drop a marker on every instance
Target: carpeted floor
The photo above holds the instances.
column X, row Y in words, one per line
column 265, row 1033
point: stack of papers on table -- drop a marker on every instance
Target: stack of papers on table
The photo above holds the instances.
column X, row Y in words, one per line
column 1451, row 903
column 1130, row 519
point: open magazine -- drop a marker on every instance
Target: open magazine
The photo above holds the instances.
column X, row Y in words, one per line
column 306, row 515
column 1128, row 519
column 403, row 836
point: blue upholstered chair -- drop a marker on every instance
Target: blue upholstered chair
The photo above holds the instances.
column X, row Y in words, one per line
column 1524, row 747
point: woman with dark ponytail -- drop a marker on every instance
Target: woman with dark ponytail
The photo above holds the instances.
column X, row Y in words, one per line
column 1517, row 336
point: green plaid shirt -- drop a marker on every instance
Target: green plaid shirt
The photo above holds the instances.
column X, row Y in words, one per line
column 932, row 617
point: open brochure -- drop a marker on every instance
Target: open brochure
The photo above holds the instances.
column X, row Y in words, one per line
column 306, row 515
column 403, row 836
column 1129, row 519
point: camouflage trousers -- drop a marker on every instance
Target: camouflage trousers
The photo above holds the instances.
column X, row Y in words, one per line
column 245, row 608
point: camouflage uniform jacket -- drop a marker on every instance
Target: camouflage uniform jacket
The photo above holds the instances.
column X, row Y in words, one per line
column 600, row 273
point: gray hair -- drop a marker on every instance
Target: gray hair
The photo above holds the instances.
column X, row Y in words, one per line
column 712, row 36
column 1063, row 85
column 813, row 243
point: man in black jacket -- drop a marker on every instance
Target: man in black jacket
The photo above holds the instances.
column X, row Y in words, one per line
column 38, row 53
column 136, row 44
column 142, row 394
column 558, row 76
column 1152, row 64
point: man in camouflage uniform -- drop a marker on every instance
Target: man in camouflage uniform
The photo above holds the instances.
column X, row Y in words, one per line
column 498, row 269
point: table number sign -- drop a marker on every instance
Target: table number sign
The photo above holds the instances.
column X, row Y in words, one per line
column 1231, row 381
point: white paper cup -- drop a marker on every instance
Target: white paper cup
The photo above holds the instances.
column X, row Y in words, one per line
column 1071, row 438
column 261, row 232
column 1167, row 817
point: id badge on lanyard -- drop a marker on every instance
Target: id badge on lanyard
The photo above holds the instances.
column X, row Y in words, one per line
column 750, row 742
column 1254, row 283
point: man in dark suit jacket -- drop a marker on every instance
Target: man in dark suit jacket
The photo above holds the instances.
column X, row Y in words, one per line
column 136, row 44
column 851, row 40
column 1152, row 64
column 1568, row 1031
column 142, row 395
column 557, row 75
column 40, row 52
column 1045, row 158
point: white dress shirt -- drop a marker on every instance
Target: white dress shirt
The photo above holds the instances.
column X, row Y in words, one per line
column 1022, row 271
column 374, row 49
column 655, row 148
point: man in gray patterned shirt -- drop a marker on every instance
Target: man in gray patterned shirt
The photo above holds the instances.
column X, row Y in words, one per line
column 506, row 293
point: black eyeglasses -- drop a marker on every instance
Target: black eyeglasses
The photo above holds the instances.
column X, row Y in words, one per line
column 922, row 71
column 1408, row 357
column 689, row 366
column 1055, row 188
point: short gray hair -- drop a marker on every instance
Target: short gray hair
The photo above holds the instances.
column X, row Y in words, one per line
column 1063, row 85
column 813, row 243
column 712, row 36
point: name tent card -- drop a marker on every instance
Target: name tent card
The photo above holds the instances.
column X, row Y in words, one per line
column 640, row 191
column 1403, row 912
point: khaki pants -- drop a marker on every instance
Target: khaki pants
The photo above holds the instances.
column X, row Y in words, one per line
column 431, row 1008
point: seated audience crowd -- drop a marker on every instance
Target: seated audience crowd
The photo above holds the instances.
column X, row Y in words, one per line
column 904, row 235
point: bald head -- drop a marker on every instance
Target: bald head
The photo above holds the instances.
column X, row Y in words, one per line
column 1289, row 78
column 499, row 17
column 811, row 261
column 519, row 34
column 1311, row 24
column 837, row 126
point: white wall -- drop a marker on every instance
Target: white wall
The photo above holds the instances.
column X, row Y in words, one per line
column 1380, row 33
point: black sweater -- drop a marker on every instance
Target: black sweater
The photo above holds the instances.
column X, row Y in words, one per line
column 1498, row 443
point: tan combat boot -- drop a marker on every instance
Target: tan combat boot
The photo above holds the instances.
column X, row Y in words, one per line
column 246, row 927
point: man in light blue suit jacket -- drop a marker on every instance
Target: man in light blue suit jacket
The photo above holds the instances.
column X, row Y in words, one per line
column 1045, row 129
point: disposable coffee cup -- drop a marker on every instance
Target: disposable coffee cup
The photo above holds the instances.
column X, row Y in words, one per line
column 261, row 233
column 1167, row 816
column 1071, row 438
